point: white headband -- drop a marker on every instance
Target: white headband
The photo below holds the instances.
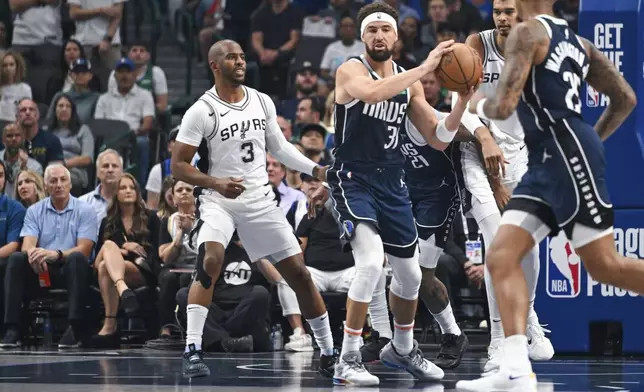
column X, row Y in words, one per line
column 378, row 17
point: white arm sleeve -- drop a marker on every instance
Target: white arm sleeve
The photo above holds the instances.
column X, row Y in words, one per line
column 469, row 120
column 277, row 144
column 193, row 126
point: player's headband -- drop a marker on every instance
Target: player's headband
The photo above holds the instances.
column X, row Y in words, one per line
column 378, row 17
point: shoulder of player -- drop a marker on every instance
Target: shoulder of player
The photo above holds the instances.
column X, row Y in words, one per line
column 351, row 68
column 203, row 106
column 475, row 42
column 590, row 48
column 532, row 31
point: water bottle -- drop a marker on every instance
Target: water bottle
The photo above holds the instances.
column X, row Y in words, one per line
column 48, row 332
column 276, row 338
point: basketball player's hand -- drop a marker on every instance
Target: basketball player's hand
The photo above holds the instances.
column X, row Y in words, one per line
column 474, row 101
column 317, row 200
column 230, row 187
column 464, row 97
column 493, row 158
column 435, row 56
column 319, row 172
column 502, row 196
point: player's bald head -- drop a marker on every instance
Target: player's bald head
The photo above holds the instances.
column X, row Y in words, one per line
column 221, row 48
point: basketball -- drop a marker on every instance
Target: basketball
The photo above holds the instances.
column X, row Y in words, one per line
column 460, row 69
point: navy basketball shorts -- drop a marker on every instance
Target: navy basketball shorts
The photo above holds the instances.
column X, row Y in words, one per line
column 435, row 211
column 565, row 184
column 377, row 196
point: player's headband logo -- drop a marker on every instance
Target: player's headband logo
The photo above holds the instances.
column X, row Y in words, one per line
column 378, row 17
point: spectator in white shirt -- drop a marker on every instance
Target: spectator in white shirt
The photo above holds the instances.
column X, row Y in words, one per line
column 339, row 51
column 97, row 28
column 37, row 31
column 132, row 104
column 12, row 85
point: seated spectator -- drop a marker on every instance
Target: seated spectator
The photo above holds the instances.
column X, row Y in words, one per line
column 276, row 28
column 329, row 122
column 306, row 85
column 312, row 139
column 437, row 13
column 434, row 94
column 400, row 55
column 339, row 51
column 12, row 84
column 404, row 11
column 176, row 250
column 72, row 51
column 309, row 111
column 98, row 29
column 464, row 18
column 212, row 26
column 109, row 169
column 37, row 31
column 85, row 98
column 30, row 188
column 338, row 9
column 12, row 214
column 15, row 158
column 285, row 126
column 166, row 202
column 446, row 32
column 132, row 104
column 148, row 76
column 238, row 316
column 128, row 243
column 276, row 174
column 77, row 141
column 41, row 145
column 158, row 173
column 58, row 235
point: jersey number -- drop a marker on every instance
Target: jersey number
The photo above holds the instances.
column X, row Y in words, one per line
column 250, row 153
column 393, row 137
column 417, row 160
column 575, row 82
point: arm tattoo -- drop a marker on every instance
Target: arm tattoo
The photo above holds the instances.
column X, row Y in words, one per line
column 604, row 77
column 520, row 50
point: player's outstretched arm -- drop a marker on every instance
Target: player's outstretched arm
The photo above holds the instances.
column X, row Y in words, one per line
column 354, row 82
column 604, row 77
column 520, row 52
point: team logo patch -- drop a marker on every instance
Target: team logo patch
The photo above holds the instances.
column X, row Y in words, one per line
column 563, row 268
column 592, row 96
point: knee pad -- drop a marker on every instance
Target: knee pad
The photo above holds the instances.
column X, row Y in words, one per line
column 368, row 254
column 407, row 277
column 429, row 252
column 200, row 273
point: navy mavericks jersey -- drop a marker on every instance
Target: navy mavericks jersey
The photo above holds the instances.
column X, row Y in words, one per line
column 368, row 134
column 426, row 169
column 551, row 92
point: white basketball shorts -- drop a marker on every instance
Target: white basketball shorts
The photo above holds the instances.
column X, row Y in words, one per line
column 261, row 225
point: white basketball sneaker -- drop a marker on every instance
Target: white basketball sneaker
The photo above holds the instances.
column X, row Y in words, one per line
column 502, row 380
column 299, row 342
column 349, row 371
column 494, row 356
column 539, row 346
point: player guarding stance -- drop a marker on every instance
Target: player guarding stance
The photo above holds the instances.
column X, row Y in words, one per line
column 373, row 97
column 490, row 192
column 232, row 126
column 565, row 185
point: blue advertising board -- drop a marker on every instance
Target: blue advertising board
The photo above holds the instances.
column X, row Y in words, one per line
column 568, row 299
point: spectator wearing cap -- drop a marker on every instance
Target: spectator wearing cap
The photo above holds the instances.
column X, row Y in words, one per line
column 15, row 158
column 339, row 51
column 149, row 77
column 77, row 141
column 158, row 173
column 276, row 29
column 40, row 145
column 12, row 84
column 98, row 28
column 312, row 138
column 132, row 104
column 109, row 168
column 37, row 31
column 80, row 72
column 306, row 85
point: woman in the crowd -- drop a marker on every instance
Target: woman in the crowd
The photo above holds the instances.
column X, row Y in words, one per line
column 176, row 251
column 166, row 204
column 30, row 188
column 77, row 141
column 128, row 243
column 12, row 84
column 72, row 51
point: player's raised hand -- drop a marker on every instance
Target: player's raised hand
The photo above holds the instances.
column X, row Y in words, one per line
column 230, row 187
column 317, row 200
column 435, row 56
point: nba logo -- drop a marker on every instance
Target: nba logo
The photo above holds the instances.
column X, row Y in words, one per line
column 592, row 97
column 563, row 268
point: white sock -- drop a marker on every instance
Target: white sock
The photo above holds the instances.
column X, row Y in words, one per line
column 533, row 319
column 298, row 331
column 196, row 319
column 403, row 338
column 378, row 309
column 515, row 354
column 322, row 333
column 351, row 341
column 447, row 321
column 530, row 265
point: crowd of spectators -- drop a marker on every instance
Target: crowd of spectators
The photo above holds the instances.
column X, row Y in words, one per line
column 73, row 217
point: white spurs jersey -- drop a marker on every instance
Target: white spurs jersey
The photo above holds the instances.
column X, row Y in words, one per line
column 510, row 130
column 231, row 137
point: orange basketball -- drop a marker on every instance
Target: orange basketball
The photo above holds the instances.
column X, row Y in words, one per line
column 461, row 69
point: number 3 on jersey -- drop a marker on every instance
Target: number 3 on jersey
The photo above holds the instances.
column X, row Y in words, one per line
column 248, row 152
